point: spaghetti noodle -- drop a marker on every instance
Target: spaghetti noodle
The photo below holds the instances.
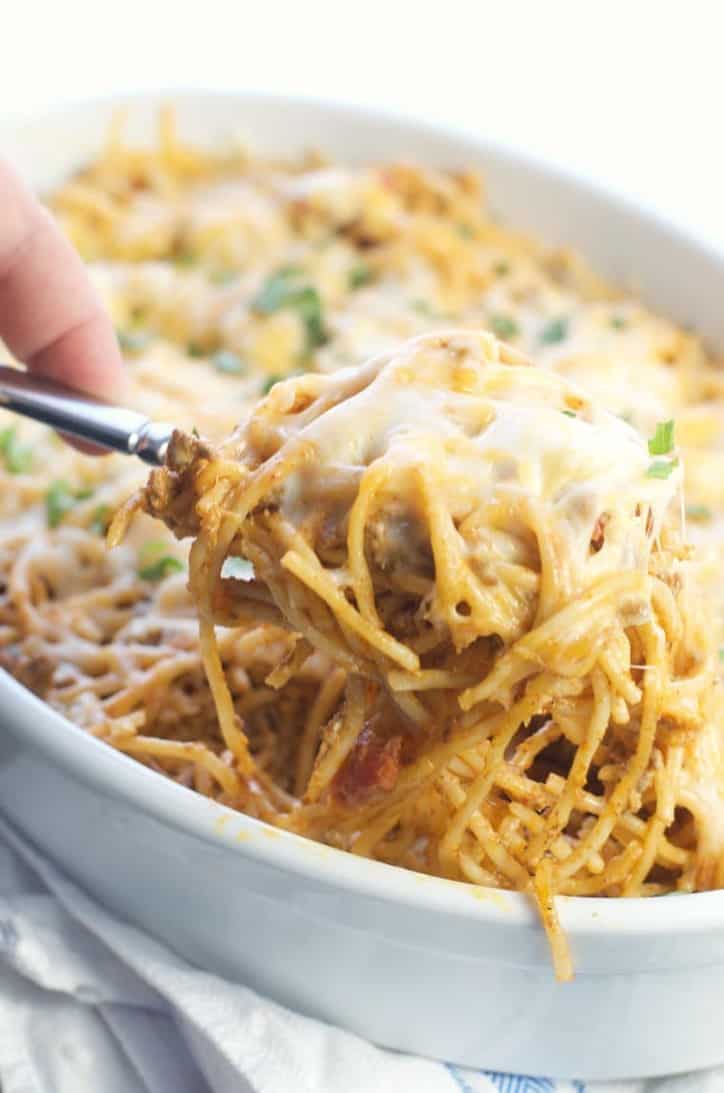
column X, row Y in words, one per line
column 224, row 272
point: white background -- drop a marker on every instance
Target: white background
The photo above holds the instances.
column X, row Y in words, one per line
column 631, row 93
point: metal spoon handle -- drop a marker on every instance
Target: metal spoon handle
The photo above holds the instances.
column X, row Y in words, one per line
column 82, row 416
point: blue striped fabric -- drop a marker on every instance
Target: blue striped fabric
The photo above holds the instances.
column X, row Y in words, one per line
column 513, row 1083
column 477, row 1081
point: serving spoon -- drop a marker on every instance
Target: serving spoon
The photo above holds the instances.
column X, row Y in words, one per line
column 83, row 417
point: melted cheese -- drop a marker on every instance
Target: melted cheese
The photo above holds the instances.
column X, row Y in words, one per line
column 488, row 431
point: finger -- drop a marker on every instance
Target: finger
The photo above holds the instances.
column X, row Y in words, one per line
column 50, row 315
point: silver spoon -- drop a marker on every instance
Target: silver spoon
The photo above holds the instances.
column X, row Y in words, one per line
column 83, row 417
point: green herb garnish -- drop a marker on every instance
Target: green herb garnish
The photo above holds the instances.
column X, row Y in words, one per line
column 700, row 513
column 618, row 322
column 286, row 290
column 503, row 326
column 554, row 331
column 309, row 306
column 133, row 341
column 568, row 413
column 160, row 569
column 662, row 442
column 500, row 269
column 240, row 569
column 465, row 231
column 721, row 653
column 661, row 468
column 359, row 275
column 18, row 458
column 276, row 290
column 100, row 519
column 227, row 362
column 185, row 258
column 195, row 350
column 154, row 564
column 61, row 498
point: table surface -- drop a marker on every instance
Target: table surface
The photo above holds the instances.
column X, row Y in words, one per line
column 627, row 92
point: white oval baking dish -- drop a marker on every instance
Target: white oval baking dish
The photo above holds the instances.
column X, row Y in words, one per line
column 412, row 962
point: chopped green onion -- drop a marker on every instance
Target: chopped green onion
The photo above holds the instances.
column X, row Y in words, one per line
column 700, row 513
column 568, row 413
column 195, row 350
column 100, row 519
column 503, row 326
column 284, row 290
column 18, row 458
column 151, row 550
column 465, row 231
column 661, row 468
column 240, row 569
column 133, row 341
column 274, row 293
column 618, row 322
column 662, row 442
column 184, row 259
column 554, row 331
column 359, row 275
column 721, row 653
column 223, row 276
column 154, row 564
column 500, row 269
column 60, row 498
column 160, row 569
column 309, row 307
column 227, row 362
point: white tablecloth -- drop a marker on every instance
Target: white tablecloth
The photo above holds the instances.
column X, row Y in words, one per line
column 91, row 1005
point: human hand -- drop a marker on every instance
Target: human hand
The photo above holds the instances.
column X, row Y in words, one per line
column 51, row 318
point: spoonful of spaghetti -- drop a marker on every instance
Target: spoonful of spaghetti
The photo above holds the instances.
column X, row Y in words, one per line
column 498, row 566
column 441, row 494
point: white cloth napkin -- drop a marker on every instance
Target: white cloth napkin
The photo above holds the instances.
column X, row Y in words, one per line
column 91, row 1005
